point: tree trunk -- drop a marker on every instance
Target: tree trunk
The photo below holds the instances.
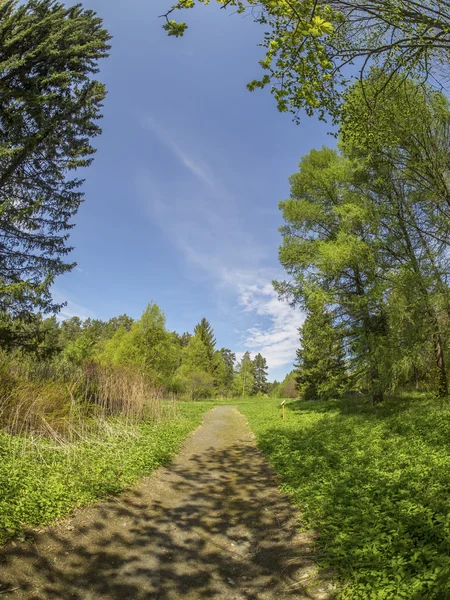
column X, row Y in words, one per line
column 440, row 363
column 376, row 389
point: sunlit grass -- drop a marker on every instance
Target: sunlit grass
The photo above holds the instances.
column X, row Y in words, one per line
column 374, row 483
column 43, row 479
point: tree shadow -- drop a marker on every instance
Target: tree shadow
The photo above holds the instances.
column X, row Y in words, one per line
column 213, row 526
column 376, row 487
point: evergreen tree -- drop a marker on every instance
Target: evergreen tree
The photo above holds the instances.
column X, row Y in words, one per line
column 244, row 377
column 206, row 334
column 229, row 359
column 50, row 105
column 184, row 339
column 321, row 372
column 260, row 385
column 219, row 373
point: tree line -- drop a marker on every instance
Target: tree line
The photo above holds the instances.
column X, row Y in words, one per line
column 366, row 234
column 189, row 364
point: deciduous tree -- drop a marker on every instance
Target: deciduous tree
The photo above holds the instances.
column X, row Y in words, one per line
column 311, row 44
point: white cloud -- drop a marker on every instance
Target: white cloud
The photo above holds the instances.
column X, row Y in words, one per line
column 204, row 223
column 277, row 342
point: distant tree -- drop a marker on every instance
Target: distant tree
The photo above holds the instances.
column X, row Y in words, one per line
column 50, row 105
column 195, row 355
column 33, row 334
column 70, row 330
column 79, row 349
column 260, row 385
column 195, row 374
column 320, row 369
column 219, row 373
column 197, row 384
column 206, row 334
column 274, row 389
column 148, row 345
column 122, row 321
column 229, row 359
column 244, row 376
column 288, row 387
column 183, row 339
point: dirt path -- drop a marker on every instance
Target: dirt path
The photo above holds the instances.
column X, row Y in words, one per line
column 211, row 525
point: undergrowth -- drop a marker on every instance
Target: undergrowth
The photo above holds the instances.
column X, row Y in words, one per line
column 42, row 479
column 374, row 482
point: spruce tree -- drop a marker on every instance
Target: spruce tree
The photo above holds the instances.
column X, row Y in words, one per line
column 49, row 107
column 321, row 371
column 260, row 385
column 206, row 334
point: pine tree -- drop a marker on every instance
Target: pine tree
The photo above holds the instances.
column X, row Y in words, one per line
column 260, row 385
column 321, row 371
column 49, row 106
column 206, row 334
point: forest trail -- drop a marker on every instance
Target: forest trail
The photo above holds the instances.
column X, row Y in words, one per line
column 210, row 525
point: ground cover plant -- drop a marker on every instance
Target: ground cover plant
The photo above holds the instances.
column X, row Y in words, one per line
column 375, row 484
column 43, row 479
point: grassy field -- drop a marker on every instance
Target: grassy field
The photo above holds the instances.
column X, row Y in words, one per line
column 41, row 480
column 374, row 483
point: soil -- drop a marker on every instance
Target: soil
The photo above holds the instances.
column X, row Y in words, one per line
column 210, row 525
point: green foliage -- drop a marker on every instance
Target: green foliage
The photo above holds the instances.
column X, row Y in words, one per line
column 375, row 484
column 309, row 45
column 260, row 385
column 197, row 384
column 219, row 372
column 229, row 358
column 50, row 108
column 367, row 230
column 41, row 481
column 288, row 387
column 205, row 332
column 321, row 370
column 147, row 344
column 244, row 378
column 195, row 356
column 195, row 373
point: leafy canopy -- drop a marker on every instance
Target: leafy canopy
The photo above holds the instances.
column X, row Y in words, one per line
column 310, row 45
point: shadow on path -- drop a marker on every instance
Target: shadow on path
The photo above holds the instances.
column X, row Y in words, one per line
column 211, row 525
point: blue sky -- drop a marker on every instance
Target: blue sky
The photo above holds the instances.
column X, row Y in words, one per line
column 181, row 201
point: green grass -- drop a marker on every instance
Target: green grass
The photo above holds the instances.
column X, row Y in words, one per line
column 374, row 483
column 41, row 481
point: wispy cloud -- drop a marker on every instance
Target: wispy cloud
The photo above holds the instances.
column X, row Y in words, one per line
column 72, row 309
column 197, row 167
column 205, row 224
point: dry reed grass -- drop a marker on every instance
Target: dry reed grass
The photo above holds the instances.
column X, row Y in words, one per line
column 68, row 407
